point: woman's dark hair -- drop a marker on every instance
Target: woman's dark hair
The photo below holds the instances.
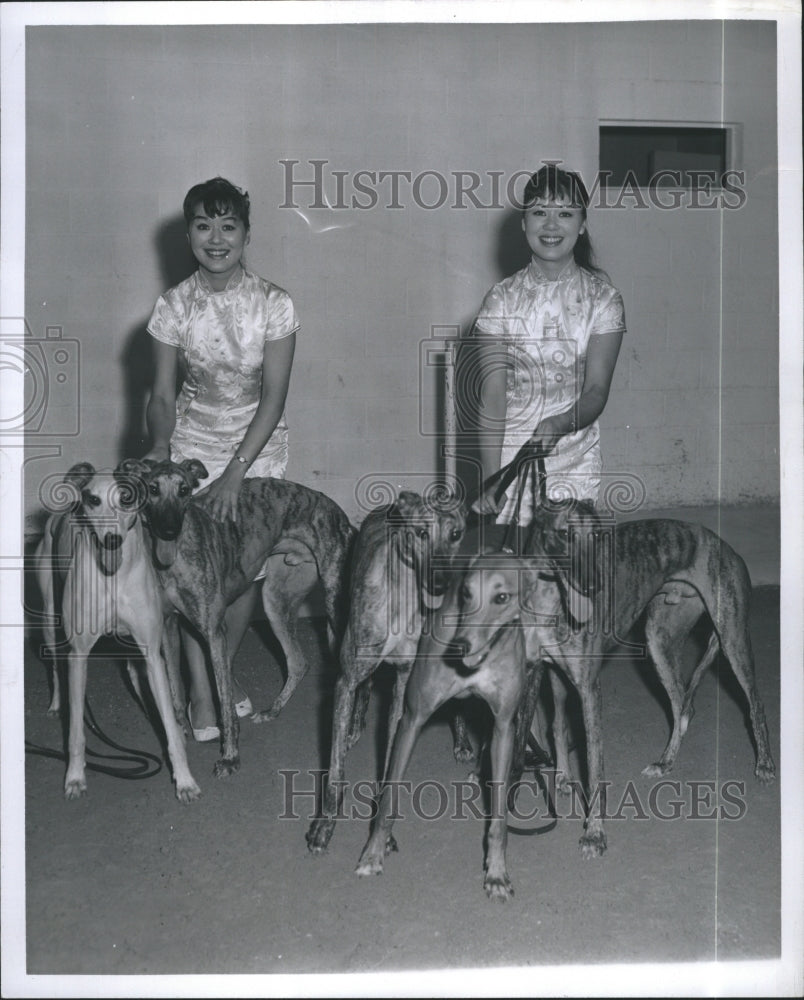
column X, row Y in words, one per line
column 219, row 197
column 550, row 183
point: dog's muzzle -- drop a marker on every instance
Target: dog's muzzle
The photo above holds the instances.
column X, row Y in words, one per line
column 473, row 657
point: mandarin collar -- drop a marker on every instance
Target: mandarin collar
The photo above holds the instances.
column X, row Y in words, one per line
column 536, row 274
column 205, row 288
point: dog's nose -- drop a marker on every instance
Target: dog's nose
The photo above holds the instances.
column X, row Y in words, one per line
column 461, row 647
column 112, row 541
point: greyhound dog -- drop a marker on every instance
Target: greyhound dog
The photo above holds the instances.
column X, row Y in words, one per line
column 96, row 576
column 204, row 565
column 581, row 596
column 569, row 608
column 399, row 576
column 442, row 672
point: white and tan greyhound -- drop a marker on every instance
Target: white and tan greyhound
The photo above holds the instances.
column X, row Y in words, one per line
column 97, row 578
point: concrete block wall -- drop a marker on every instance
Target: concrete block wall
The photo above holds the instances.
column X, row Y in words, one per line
column 122, row 120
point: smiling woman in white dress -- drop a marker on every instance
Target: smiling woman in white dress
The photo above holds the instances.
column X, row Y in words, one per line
column 231, row 335
column 546, row 342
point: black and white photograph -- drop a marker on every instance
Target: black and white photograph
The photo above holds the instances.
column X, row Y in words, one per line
column 401, row 472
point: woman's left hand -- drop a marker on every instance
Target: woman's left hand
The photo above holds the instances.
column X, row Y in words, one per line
column 220, row 497
column 546, row 436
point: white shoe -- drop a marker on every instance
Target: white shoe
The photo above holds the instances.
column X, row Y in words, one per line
column 205, row 735
column 244, row 708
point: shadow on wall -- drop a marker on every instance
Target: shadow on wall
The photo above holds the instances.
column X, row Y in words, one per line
column 511, row 255
column 176, row 263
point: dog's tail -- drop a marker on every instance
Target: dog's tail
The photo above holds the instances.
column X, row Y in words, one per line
column 333, row 556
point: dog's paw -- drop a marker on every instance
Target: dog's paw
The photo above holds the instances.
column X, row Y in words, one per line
column 225, row 767
column 765, row 772
column 75, row 788
column 564, row 783
column 188, row 793
column 463, row 750
column 498, row 888
column 266, row 715
column 656, row 770
column 592, row 845
column 368, row 866
column 319, row 835
column 391, row 846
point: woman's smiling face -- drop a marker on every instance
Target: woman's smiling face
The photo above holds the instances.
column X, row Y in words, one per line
column 217, row 243
column 552, row 228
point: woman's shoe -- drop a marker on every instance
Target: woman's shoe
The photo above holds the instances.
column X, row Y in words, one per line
column 244, row 708
column 205, row 735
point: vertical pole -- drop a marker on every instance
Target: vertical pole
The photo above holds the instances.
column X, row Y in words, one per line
column 450, row 430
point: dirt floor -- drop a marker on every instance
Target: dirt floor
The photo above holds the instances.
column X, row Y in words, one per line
column 128, row 881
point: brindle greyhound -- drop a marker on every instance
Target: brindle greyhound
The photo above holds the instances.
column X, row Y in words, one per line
column 95, row 573
column 204, row 565
column 399, row 575
column 568, row 612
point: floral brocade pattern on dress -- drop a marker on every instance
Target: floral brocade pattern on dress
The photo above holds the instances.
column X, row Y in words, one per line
column 221, row 337
column 543, row 327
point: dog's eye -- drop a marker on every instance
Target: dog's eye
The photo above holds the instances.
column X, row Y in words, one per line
column 422, row 533
column 456, row 535
column 127, row 496
column 92, row 500
column 184, row 489
column 153, row 489
column 502, row 597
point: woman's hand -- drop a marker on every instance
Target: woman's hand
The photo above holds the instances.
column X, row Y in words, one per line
column 487, row 504
column 159, row 453
column 547, row 434
column 220, row 497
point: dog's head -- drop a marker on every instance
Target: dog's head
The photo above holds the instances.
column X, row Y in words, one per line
column 426, row 534
column 107, row 504
column 167, row 488
column 571, row 535
column 501, row 592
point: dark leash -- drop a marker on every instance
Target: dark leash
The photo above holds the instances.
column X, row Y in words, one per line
column 143, row 764
column 529, row 455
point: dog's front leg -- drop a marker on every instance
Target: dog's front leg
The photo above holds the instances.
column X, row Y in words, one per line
column 564, row 776
column 75, row 782
column 322, row 827
column 381, row 840
column 171, row 645
column 593, row 841
column 524, row 717
column 497, row 883
column 222, row 668
column 186, row 788
column 462, row 748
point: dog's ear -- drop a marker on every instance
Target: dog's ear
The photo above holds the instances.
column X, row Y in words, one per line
column 67, row 498
column 407, row 503
column 129, row 476
column 195, row 470
column 134, row 467
column 79, row 475
column 589, row 550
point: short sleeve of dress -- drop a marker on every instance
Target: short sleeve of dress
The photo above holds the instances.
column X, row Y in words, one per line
column 491, row 319
column 609, row 314
column 282, row 319
column 163, row 325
